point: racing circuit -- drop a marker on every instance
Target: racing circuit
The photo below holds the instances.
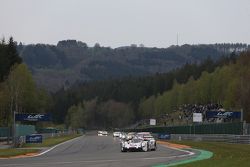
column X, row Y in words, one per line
column 98, row 151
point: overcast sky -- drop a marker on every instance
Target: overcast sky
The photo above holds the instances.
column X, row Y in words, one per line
column 123, row 22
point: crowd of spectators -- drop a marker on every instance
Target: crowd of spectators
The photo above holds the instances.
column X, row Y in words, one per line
column 189, row 109
column 184, row 115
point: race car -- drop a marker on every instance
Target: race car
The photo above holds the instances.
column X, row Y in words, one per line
column 102, row 133
column 130, row 135
column 122, row 135
column 146, row 136
column 135, row 144
column 116, row 134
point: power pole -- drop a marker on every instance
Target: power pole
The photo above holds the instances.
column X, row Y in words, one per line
column 14, row 130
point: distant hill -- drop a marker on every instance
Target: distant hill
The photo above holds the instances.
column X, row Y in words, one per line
column 72, row 61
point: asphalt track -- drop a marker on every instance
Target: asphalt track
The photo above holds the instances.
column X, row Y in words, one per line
column 97, row 151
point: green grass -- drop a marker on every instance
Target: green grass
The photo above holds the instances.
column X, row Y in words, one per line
column 225, row 154
column 5, row 153
column 52, row 141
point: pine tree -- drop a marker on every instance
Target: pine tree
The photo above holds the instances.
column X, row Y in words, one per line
column 8, row 57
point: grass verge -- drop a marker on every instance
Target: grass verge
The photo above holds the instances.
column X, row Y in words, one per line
column 225, row 154
column 52, row 141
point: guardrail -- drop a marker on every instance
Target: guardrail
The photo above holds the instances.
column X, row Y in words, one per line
column 243, row 139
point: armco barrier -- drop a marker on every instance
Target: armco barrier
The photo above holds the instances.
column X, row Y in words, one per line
column 243, row 139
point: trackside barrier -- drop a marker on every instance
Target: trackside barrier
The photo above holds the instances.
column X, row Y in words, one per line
column 235, row 128
column 22, row 139
column 247, row 128
column 58, row 133
column 23, row 130
column 243, row 139
column 49, row 135
column 5, row 131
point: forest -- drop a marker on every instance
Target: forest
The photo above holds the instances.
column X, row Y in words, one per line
column 121, row 101
column 228, row 86
column 133, row 93
column 71, row 61
column 18, row 90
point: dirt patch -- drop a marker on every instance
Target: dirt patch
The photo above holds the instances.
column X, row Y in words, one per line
column 21, row 156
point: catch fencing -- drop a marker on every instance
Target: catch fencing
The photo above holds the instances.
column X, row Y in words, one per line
column 21, row 130
column 5, row 132
column 215, row 128
column 236, row 132
column 243, row 139
column 247, row 128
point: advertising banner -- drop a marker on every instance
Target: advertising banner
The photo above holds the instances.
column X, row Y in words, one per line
column 33, row 117
column 223, row 114
column 152, row 122
column 197, row 117
column 36, row 138
column 164, row 136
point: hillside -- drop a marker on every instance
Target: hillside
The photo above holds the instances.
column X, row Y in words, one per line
column 72, row 61
column 227, row 85
column 119, row 103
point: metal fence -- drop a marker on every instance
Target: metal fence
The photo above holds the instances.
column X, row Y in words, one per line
column 57, row 134
column 23, row 130
column 235, row 128
column 243, row 139
column 247, row 128
column 5, row 131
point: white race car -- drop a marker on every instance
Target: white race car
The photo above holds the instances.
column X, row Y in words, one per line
column 151, row 142
column 134, row 144
column 122, row 135
column 149, row 138
column 130, row 135
column 102, row 133
column 116, row 134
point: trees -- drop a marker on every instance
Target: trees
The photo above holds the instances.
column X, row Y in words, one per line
column 76, row 117
column 8, row 57
column 5, row 115
column 19, row 93
column 21, row 89
column 131, row 90
column 117, row 114
column 243, row 92
column 228, row 85
column 90, row 114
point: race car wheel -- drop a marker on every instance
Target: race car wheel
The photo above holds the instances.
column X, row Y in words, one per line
column 154, row 148
column 145, row 148
column 123, row 149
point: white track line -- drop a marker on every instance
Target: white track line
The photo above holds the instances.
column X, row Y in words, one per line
column 92, row 161
column 55, row 147
column 173, row 148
